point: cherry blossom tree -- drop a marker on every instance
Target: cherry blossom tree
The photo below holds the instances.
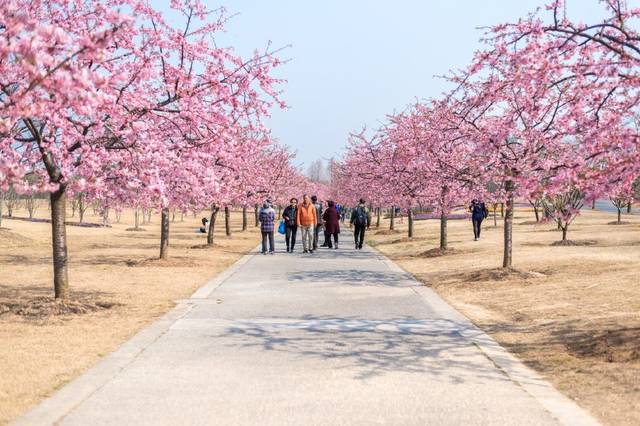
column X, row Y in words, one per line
column 105, row 91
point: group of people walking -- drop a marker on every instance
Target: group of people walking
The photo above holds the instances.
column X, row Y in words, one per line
column 315, row 221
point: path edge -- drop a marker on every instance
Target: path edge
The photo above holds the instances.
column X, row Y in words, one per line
column 65, row 399
column 562, row 408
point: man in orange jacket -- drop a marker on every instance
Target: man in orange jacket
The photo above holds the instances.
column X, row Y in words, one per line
column 307, row 220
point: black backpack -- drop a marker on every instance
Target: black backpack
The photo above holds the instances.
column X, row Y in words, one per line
column 361, row 216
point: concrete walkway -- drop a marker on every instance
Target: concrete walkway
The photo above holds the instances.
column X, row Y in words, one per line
column 340, row 337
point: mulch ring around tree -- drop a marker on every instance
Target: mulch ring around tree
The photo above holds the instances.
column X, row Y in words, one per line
column 615, row 222
column 437, row 252
column 171, row 262
column 44, row 307
column 530, row 222
column 500, row 274
column 574, row 243
column 387, row 232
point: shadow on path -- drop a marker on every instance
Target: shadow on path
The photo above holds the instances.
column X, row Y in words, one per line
column 371, row 348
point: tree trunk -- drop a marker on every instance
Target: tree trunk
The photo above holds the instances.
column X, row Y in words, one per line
column 105, row 217
column 495, row 215
column 279, row 212
column 564, row 232
column 1, row 205
column 173, row 215
column 164, row 234
column 378, row 214
column 81, row 210
column 410, row 219
column 444, row 245
column 593, row 205
column 244, row 218
column 393, row 217
column 118, row 216
column 507, row 259
column 629, row 207
column 227, row 220
column 149, row 216
column 535, row 210
column 255, row 212
column 619, row 216
column 212, row 224
column 59, row 243
column 137, row 219
column 501, row 209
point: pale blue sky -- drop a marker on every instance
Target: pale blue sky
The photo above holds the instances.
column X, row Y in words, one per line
column 354, row 61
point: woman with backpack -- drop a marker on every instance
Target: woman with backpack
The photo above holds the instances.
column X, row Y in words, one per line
column 478, row 213
column 361, row 219
column 331, row 220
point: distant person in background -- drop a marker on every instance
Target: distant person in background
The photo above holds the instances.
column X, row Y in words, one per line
column 307, row 221
column 361, row 220
column 267, row 223
column 205, row 225
column 331, row 221
column 318, row 225
column 478, row 213
column 290, row 216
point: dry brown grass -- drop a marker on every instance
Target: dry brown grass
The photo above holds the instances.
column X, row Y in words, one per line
column 118, row 286
column 571, row 312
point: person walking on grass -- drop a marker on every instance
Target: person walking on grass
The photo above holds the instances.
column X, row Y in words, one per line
column 290, row 216
column 478, row 213
column 361, row 219
column 331, row 220
column 307, row 221
column 318, row 225
column 267, row 219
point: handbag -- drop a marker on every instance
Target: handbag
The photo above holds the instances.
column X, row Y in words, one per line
column 281, row 227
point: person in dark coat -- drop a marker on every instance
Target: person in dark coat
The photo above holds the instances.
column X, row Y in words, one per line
column 478, row 213
column 290, row 215
column 331, row 220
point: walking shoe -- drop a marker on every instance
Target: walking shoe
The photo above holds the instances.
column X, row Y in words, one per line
column 264, row 252
column 306, row 251
column 336, row 247
column 311, row 251
column 271, row 252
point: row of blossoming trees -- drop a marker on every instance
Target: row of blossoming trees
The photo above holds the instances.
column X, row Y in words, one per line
column 547, row 111
column 110, row 99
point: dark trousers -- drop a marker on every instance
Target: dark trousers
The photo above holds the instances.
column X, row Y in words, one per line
column 315, row 237
column 267, row 236
column 335, row 239
column 290, row 236
column 327, row 238
column 477, row 222
column 358, row 235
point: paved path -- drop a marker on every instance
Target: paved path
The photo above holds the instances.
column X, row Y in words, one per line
column 335, row 338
